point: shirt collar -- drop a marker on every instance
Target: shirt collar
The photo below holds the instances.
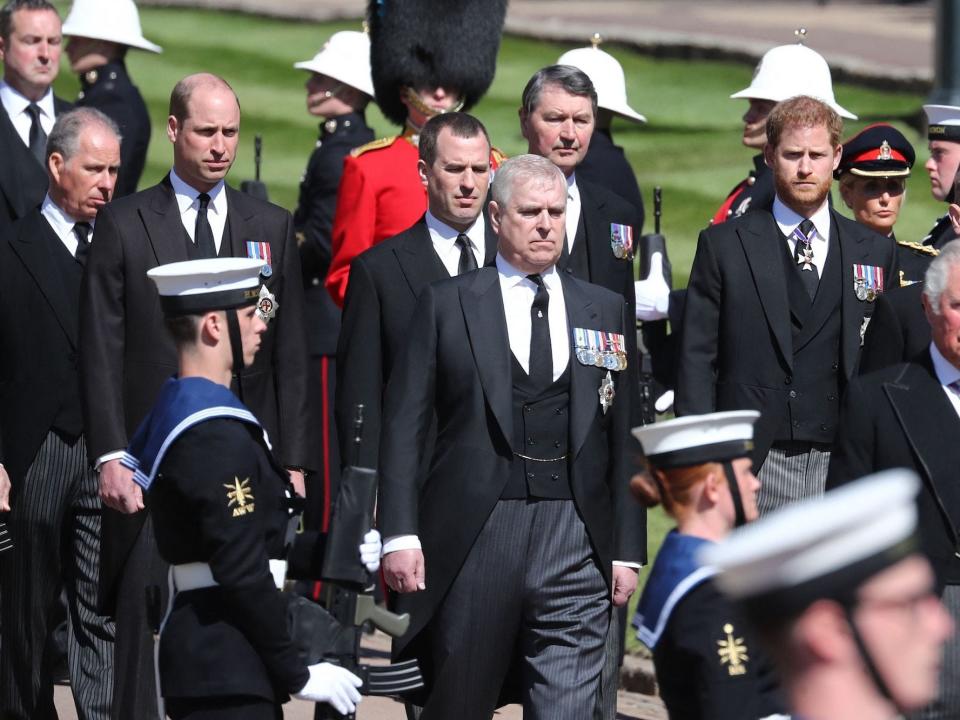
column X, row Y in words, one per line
column 788, row 219
column 187, row 195
column 15, row 103
column 441, row 230
column 572, row 190
column 61, row 223
column 511, row 276
column 947, row 373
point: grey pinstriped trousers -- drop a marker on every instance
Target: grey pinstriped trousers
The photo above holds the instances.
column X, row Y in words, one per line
column 54, row 524
column 791, row 472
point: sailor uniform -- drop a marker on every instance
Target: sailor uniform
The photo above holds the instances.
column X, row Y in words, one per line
column 218, row 509
column 706, row 661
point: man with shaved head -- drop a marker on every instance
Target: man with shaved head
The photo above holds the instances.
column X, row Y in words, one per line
column 126, row 354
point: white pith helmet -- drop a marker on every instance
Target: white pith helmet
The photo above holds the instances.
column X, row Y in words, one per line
column 112, row 20
column 607, row 77
column 346, row 58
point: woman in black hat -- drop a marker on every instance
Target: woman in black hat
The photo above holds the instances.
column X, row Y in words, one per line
column 706, row 662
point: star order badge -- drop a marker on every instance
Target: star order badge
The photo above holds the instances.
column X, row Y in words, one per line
column 239, row 496
column 806, row 259
column 733, row 652
column 606, row 393
column 267, row 305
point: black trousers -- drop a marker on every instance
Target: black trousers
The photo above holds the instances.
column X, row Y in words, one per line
column 223, row 708
column 54, row 525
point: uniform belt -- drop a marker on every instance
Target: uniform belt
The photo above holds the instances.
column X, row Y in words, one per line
column 197, row 575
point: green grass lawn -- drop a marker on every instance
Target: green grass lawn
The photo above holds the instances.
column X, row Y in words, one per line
column 690, row 146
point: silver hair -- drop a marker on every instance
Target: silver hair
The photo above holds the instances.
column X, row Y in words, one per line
column 571, row 79
column 522, row 168
column 935, row 281
column 65, row 136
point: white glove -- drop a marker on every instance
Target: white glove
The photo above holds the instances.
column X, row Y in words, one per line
column 653, row 293
column 334, row 685
column 370, row 551
column 664, row 402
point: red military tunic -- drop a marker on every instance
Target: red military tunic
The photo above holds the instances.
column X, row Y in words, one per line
column 380, row 195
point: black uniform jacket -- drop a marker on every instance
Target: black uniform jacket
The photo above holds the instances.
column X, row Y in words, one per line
column 109, row 89
column 126, row 353
column 385, row 282
column 313, row 220
column 218, row 499
column 696, row 681
column 38, row 334
column 23, row 181
column 456, row 363
column 900, row 417
column 898, row 329
column 737, row 344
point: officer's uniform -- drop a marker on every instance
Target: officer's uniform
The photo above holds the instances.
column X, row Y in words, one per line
column 109, row 89
column 755, row 192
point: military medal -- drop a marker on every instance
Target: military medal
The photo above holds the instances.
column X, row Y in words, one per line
column 806, row 258
column 606, row 393
column 867, row 282
column 621, row 241
column 261, row 251
column 267, row 304
column 599, row 349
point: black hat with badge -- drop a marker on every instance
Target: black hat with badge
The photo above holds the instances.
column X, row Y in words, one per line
column 879, row 150
column 451, row 44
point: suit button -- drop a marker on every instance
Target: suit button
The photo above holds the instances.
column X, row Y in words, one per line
column 555, row 477
column 556, row 443
column 531, row 441
column 788, row 380
column 793, row 393
column 824, row 428
column 569, row 271
column 831, row 397
column 527, row 409
column 836, row 366
column 796, row 423
column 559, row 411
column 530, row 476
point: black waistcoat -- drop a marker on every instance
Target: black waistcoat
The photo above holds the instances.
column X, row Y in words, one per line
column 68, row 420
column 541, row 429
column 576, row 263
column 813, row 394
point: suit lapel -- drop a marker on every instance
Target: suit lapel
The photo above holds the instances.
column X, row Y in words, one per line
column 161, row 220
column 926, row 416
column 482, row 306
column 19, row 169
column 240, row 222
column 490, row 240
column 760, row 236
column 583, row 379
column 418, row 260
column 853, row 250
column 591, row 218
column 828, row 294
column 33, row 244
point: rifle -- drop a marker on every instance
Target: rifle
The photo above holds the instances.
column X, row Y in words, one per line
column 349, row 587
column 254, row 187
column 651, row 333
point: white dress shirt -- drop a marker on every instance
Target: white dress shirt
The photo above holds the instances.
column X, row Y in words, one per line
column 189, row 205
column 518, row 294
column 573, row 211
column 61, row 224
column 445, row 245
column 947, row 374
column 788, row 221
column 16, row 106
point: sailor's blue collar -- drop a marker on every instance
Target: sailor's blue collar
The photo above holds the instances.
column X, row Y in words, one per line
column 180, row 405
column 675, row 573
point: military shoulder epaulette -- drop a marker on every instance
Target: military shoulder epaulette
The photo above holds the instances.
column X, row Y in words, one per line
column 373, row 145
column 497, row 155
column 919, row 247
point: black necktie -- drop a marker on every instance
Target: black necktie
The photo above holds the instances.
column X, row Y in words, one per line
column 468, row 261
column 541, row 354
column 82, row 231
column 203, row 233
column 803, row 254
column 38, row 138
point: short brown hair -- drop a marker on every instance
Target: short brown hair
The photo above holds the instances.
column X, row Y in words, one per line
column 183, row 91
column 461, row 125
column 805, row 112
column 183, row 329
column 6, row 13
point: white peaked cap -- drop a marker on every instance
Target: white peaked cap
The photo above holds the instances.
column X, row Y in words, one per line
column 607, row 77
column 790, row 70
column 696, row 439
column 195, row 286
column 113, row 20
column 840, row 537
column 344, row 57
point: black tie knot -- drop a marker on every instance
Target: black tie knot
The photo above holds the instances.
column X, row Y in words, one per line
column 204, row 201
column 34, row 111
column 536, row 279
column 807, row 228
column 203, row 233
column 82, row 232
column 468, row 261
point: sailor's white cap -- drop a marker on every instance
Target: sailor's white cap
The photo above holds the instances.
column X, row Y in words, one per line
column 197, row 286
column 696, row 439
column 943, row 122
